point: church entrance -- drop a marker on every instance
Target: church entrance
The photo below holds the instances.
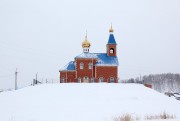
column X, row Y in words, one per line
column 86, row 79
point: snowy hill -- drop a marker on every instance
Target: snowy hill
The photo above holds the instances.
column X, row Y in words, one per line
column 83, row 102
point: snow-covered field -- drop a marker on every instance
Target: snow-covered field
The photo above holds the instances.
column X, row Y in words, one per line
column 83, row 102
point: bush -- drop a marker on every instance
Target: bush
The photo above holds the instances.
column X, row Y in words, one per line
column 163, row 115
column 129, row 117
column 126, row 117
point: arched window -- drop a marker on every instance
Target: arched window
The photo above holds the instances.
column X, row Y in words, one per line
column 85, row 79
column 111, row 80
column 62, row 80
column 112, row 50
column 90, row 65
column 101, row 79
column 81, row 65
column 79, row 80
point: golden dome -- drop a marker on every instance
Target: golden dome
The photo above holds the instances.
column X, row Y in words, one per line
column 111, row 29
column 86, row 43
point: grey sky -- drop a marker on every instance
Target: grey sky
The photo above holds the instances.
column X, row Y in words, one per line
column 44, row 35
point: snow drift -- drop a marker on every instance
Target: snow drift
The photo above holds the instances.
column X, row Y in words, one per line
column 83, row 102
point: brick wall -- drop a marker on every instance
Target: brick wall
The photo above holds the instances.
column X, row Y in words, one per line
column 106, row 72
column 69, row 74
column 81, row 73
column 99, row 71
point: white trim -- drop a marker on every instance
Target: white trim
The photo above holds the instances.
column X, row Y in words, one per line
column 81, row 65
column 79, row 80
column 90, row 65
column 101, row 78
column 110, row 79
column 85, row 79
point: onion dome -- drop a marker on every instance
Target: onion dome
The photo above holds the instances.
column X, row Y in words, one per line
column 86, row 43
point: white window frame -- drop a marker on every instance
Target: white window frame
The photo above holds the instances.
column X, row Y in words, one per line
column 81, row 65
column 79, row 80
column 110, row 80
column 86, row 78
column 101, row 79
column 62, row 80
column 90, row 65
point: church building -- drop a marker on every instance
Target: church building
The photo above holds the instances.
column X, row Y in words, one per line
column 93, row 67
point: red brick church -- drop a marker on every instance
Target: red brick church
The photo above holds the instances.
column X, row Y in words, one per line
column 93, row 67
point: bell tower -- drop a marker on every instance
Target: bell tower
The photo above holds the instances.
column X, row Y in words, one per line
column 111, row 45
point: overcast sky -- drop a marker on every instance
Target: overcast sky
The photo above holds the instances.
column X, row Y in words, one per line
column 44, row 35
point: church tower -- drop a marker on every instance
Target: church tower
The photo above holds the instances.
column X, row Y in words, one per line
column 111, row 45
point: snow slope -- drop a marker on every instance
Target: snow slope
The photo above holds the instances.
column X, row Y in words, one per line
column 83, row 102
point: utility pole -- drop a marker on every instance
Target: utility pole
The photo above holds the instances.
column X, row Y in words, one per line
column 36, row 77
column 33, row 82
column 16, row 79
column 140, row 78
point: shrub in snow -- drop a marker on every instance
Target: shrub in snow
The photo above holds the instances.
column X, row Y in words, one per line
column 163, row 115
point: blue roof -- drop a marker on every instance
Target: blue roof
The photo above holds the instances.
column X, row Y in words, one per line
column 69, row 67
column 105, row 60
column 86, row 55
column 111, row 39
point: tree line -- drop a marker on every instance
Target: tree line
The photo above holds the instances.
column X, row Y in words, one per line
column 168, row 82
